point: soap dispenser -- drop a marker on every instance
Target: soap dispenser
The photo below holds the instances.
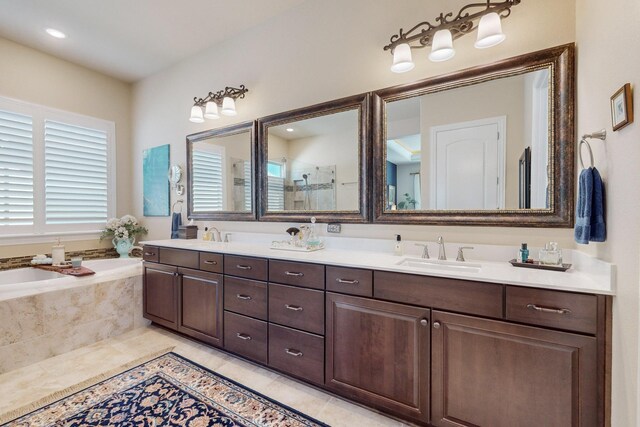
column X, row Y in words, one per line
column 397, row 248
column 57, row 253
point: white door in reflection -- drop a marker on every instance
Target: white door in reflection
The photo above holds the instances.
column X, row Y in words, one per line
column 468, row 166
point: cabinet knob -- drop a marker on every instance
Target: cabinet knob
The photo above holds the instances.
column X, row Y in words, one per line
column 436, row 325
column 424, row 322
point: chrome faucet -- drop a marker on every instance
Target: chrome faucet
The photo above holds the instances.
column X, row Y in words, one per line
column 425, row 250
column 461, row 249
column 441, row 253
column 216, row 234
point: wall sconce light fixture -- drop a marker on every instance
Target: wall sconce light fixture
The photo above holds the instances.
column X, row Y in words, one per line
column 225, row 99
column 486, row 17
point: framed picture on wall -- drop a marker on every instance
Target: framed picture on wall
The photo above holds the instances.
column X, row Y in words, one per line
column 622, row 107
column 155, row 184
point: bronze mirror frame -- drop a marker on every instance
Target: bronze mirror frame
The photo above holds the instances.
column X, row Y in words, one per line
column 357, row 102
column 220, row 132
column 561, row 60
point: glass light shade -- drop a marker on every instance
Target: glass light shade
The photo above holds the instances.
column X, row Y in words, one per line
column 489, row 31
column 228, row 106
column 211, row 110
column 442, row 46
column 402, row 61
column 196, row 114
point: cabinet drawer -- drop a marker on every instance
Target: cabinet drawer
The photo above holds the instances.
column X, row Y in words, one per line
column 297, row 273
column 463, row 296
column 245, row 336
column 251, row 268
column 179, row 257
column 246, row 297
column 562, row 310
column 298, row 353
column 211, row 262
column 297, row 307
column 151, row 253
column 352, row 281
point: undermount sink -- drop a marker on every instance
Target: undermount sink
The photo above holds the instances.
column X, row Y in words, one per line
column 430, row 264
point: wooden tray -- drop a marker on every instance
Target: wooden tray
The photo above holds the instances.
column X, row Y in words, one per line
column 67, row 269
column 538, row 266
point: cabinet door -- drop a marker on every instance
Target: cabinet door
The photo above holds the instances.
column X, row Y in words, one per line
column 200, row 314
column 492, row 373
column 161, row 294
column 378, row 353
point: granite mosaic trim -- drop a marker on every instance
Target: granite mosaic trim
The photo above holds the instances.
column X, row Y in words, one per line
column 310, row 187
column 25, row 261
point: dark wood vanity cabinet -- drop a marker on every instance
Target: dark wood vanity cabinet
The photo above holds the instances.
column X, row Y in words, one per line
column 160, row 294
column 493, row 373
column 431, row 350
column 200, row 305
column 378, row 353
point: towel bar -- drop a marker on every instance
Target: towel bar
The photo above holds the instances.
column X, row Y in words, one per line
column 601, row 135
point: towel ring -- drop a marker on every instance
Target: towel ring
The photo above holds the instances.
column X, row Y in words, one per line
column 173, row 207
column 584, row 142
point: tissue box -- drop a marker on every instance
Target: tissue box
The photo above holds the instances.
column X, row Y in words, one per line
column 188, row 232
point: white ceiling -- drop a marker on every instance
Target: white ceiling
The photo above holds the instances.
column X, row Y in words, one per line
column 131, row 39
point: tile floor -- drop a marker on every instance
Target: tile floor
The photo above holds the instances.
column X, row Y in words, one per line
column 22, row 386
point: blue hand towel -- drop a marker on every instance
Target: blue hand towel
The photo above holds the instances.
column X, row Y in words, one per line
column 582, row 231
column 176, row 221
column 598, row 228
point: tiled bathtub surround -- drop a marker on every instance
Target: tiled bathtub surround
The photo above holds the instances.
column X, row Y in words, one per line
column 36, row 327
column 25, row 261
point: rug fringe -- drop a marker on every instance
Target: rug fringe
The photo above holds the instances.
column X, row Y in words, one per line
column 61, row 394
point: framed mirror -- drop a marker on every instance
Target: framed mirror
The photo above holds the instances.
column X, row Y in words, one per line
column 313, row 162
column 491, row 145
column 221, row 174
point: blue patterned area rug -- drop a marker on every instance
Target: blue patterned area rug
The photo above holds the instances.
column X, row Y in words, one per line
column 166, row 391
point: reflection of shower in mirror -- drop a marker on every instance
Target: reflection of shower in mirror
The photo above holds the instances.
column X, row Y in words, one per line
column 310, row 187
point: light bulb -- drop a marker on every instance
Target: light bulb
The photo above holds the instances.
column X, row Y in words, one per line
column 489, row 31
column 402, row 61
column 211, row 110
column 196, row 114
column 442, row 46
column 228, row 106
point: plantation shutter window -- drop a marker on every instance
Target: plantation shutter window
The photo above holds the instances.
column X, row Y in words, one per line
column 76, row 175
column 57, row 173
column 16, row 169
column 275, row 186
column 207, row 181
column 247, row 186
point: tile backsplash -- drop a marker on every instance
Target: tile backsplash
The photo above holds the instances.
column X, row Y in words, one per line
column 25, row 261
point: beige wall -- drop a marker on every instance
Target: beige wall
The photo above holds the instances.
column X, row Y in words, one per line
column 608, row 45
column 332, row 55
column 32, row 76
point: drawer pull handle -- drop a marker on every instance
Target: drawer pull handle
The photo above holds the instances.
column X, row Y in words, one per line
column 347, row 281
column 548, row 310
column 243, row 336
column 293, row 307
column 210, row 262
column 243, row 267
column 293, row 352
column 244, row 297
column 293, row 273
column 149, row 254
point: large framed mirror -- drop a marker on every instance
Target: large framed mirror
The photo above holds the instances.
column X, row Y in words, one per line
column 221, row 174
column 491, row 145
column 313, row 162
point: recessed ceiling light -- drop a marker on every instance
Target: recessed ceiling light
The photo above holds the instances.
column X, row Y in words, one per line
column 289, row 129
column 56, row 33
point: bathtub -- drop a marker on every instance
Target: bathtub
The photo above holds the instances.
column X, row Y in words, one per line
column 29, row 281
column 43, row 313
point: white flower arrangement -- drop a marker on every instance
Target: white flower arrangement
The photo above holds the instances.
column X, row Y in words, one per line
column 123, row 228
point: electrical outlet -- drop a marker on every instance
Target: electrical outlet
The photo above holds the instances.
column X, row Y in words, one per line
column 333, row 228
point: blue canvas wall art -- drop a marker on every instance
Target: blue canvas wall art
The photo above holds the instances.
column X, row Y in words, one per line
column 155, row 166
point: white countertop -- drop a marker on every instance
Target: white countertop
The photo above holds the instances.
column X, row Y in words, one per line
column 587, row 274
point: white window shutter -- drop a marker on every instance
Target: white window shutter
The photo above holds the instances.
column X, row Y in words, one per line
column 16, row 169
column 207, row 181
column 275, row 193
column 247, row 186
column 76, row 174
